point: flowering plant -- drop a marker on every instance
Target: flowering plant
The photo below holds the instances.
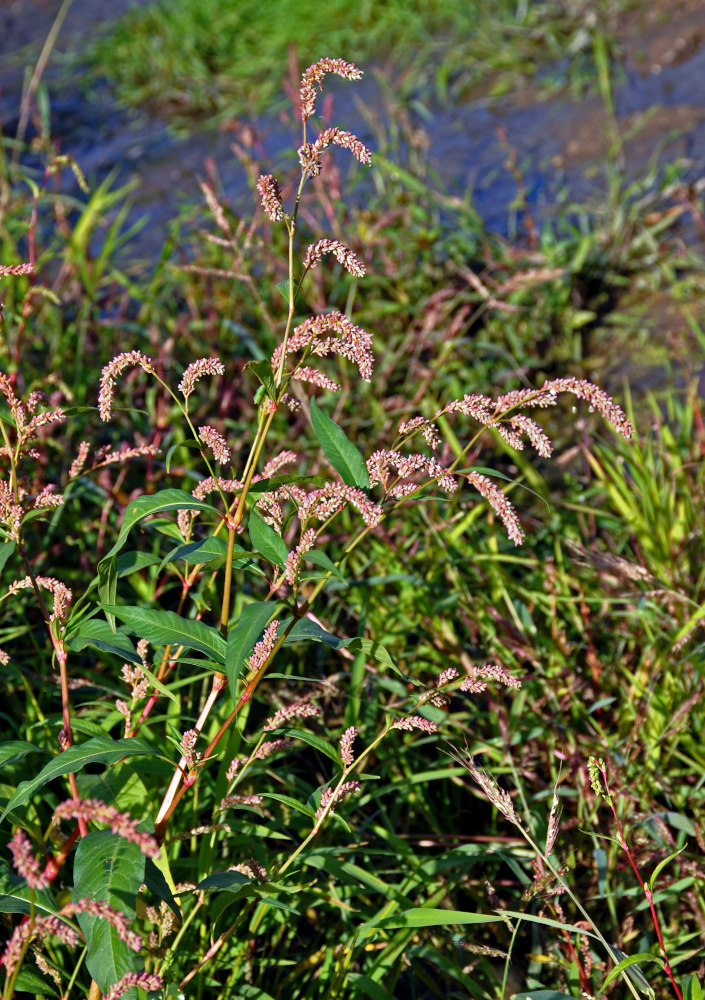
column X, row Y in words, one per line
column 268, row 593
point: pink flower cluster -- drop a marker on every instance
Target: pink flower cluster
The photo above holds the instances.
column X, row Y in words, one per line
column 411, row 722
column 197, row 370
column 311, row 152
column 111, row 374
column 477, row 678
column 345, row 256
column 297, row 710
column 62, row 594
column 330, row 798
column 216, row 442
column 120, row 823
column 344, row 338
column 346, row 746
column 270, row 197
column 260, row 654
column 313, row 77
column 380, row 463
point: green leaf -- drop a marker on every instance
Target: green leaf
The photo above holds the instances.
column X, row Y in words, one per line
column 691, row 988
column 543, row 995
column 6, row 550
column 166, row 628
column 29, row 981
column 369, row 987
column 99, row 634
column 313, row 741
column 547, row 922
column 262, row 370
column 109, row 869
column 14, row 750
column 155, row 881
column 15, row 895
column 339, row 449
column 224, row 881
column 423, row 916
column 623, row 965
column 306, row 630
column 155, row 504
column 107, row 580
column 661, row 865
column 99, row 750
column 130, row 562
column 242, row 638
column 175, row 447
column 287, row 800
column 322, row 560
column 266, row 541
column 197, row 553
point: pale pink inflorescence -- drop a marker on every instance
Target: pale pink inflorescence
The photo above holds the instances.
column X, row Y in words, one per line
column 26, row 268
column 4, row 658
column 344, row 338
column 446, row 677
column 120, row 823
column 411, row 722
column 330, row 798
column 197, row 370
column 311, row 152
column 477, row 677
column 381, row 463
column 346, row 746
column 499, row 503
column 293, row 560
column 252, row 869
column 297, row 710
column 240, row 800
column 62, row 594
column 270, row 197
column 144, row 980
column 25, row 863
column 260, row 654
column 112, row 372
column 216, row 442
column 316, row 251
column 312, row 79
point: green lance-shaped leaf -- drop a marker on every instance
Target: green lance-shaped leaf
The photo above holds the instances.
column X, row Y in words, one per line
column 625, row 965
column 109, row 869
column 157, row 503
column 99, row 750
column 97, row 633
column 242, row 638
column 13, row 750
column 339, row 449
column 423, row 916
column 166, row 628
column 266, row 541
column 17, row 897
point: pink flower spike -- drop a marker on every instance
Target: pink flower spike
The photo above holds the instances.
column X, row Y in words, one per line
column 270, row 197
column 16, row 269
column 345, row 256
column 110, row 374
column 411, row 722
column 314, row 75
column 499, row 503
column 216, row 443
column 25, row 863
column 196, row 370
column 144, row 980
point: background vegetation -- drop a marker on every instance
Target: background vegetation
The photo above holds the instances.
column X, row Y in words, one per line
column 597, row 613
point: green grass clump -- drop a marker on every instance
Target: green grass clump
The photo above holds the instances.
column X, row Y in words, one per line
column 213, row 59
